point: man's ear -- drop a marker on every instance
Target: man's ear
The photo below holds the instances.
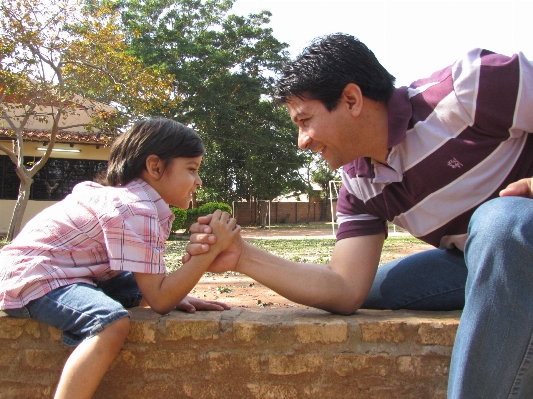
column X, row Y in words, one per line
column 154, row 167
column 353, row 97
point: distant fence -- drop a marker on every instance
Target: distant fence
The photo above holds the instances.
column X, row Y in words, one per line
column 256, row 213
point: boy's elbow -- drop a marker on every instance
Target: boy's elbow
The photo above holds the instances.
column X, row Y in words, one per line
column 161, row 307
column 162, row 310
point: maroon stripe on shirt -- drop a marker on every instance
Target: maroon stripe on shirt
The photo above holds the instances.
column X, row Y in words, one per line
column 456, row 226
column 394, row 201
column 438, row 76
column 455, row 158
column 425, row 102
column 499, row 80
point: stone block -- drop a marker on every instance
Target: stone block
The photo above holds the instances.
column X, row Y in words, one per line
column 294, row 364
column 243, row 353
column 331, row 330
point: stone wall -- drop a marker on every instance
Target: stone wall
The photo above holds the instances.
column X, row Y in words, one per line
column 243, row 353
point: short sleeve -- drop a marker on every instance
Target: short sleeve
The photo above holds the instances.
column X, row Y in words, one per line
column 135, row 244
column 353, row 218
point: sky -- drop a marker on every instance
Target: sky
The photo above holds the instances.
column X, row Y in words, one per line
column 411, row 39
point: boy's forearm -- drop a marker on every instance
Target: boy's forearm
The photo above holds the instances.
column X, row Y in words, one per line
column 178, row 284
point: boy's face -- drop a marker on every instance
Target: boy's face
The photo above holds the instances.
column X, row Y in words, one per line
column 331, row 133
column 180, row 181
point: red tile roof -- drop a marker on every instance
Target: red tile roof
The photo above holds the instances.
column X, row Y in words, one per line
column 64, row 136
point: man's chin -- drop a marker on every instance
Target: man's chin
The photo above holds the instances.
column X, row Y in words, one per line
column 332, row 164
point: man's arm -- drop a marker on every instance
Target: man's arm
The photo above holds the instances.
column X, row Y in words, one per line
column 339, row 287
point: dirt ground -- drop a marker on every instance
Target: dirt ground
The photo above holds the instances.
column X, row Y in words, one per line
column 238, row 290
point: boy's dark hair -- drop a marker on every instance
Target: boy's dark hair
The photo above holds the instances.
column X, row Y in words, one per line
column 322, row 71
column 162, row 137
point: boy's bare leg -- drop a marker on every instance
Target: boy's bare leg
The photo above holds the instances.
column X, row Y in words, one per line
column 86, row 366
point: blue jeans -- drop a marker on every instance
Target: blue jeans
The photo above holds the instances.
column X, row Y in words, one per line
column 81, row 311
column 493, row 280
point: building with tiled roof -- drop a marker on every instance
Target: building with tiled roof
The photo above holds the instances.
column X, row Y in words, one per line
column 77, row 155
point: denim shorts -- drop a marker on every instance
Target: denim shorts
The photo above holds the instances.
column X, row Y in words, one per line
column 82, row 310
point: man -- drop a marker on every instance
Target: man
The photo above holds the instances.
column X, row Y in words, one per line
column 450, row 160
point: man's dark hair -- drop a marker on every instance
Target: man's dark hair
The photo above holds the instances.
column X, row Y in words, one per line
column 162, row 137
column 322, row 71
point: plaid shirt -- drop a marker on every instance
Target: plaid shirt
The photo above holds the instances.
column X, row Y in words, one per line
column 92, row 235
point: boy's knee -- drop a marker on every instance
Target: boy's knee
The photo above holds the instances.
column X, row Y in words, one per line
column 120, row 328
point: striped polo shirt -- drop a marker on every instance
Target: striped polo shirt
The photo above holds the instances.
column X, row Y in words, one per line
column 455, row 140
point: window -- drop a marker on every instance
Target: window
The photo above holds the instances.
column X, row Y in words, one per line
column 53, row 182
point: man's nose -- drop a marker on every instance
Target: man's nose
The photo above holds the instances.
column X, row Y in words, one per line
column 304, row 141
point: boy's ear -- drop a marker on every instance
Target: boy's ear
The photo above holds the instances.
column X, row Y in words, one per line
column 154, row 167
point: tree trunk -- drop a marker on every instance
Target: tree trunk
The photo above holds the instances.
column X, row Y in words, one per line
column 20, row 208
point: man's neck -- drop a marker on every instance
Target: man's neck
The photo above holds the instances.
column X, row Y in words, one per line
column 376, row 125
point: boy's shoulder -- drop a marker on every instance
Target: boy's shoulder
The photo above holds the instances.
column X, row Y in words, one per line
column 131, row 199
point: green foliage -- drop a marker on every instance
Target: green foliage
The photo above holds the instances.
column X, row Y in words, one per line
column 211, row 207
column 192, row 217
column 180, row 218
column 60, row 64
column 194, row 213
column 224, row 67
column 223, row 290
column 322, row 174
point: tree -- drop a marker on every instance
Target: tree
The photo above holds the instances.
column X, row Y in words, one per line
column 224, row 67
column 58, row 61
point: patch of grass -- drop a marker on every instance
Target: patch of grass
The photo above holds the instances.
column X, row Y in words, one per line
column 284, row 226
column 302, row 250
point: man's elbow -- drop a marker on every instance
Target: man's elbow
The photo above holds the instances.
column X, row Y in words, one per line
column 346, row 306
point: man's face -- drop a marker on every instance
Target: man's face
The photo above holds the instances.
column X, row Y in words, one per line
column 331, row 133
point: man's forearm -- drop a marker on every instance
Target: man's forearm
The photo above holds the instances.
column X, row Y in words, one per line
column 313, row 285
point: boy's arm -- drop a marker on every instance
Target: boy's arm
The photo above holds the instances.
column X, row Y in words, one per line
column 164, row 292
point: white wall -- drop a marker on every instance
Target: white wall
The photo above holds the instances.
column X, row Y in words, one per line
column 87, row 151
column 6, row 211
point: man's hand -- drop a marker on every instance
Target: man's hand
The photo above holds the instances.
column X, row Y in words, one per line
column 191, row 304
column 521, row 188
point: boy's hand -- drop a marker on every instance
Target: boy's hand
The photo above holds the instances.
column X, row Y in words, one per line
column 201, row 241
column 225, row 229
column 201, row 238
column 191, row 304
